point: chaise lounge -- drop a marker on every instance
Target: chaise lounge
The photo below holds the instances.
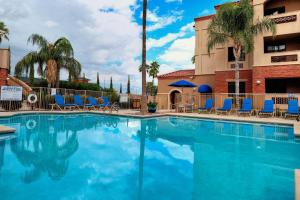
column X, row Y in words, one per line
column 60, row 103
column 209, row 105
column 268, row 109
column 227, row 107
column 247, row 107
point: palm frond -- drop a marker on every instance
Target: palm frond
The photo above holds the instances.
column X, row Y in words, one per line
column 39, row 40
column 265, row 25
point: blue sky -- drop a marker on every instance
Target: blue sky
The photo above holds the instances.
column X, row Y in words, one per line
column 106, row 34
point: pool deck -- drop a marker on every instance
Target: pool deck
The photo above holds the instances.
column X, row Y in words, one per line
column 162, row 113
column 6, row 130
column 297, row 184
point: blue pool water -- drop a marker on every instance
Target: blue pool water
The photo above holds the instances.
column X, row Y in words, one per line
column 103, row 157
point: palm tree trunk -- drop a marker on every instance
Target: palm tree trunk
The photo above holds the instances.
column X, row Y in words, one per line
column 237, row 55
column 51, row 72
column 31, row 74
column 144, row 54
column 57, row 76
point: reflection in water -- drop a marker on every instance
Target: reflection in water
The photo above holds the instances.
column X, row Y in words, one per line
column 2, row 148
column 39, row 148
column 162, row 158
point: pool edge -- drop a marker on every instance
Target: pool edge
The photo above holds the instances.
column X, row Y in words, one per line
column 296, row 125
column 6, row 130
column 297, row 184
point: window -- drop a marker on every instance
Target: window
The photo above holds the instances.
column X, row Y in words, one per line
column 269, row 48
column 274, row 11
column 231, row 57
column 231, row 87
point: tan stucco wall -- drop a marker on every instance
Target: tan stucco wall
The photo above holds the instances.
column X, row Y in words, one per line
column 164, row 90
column 4, row 58
column 292, row 8
column 217, row 61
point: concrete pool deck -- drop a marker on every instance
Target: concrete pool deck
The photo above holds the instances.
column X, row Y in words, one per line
column 162, row 113
column 297, row 184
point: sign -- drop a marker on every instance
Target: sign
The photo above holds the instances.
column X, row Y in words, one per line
column 53, row 91
column 123, row 98
column 11, row 93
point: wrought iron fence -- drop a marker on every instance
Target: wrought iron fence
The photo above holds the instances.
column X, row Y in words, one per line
column 193, row 101
column 44, row 98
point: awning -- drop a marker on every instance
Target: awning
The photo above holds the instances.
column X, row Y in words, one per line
column 205, row 89
column 182, row 84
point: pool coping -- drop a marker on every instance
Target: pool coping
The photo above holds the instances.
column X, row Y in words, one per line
column 297, row 184
column 275, row 121
column 6, row 130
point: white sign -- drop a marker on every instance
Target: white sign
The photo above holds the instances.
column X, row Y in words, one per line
column 11, row 93
column 53, row 91
column 123, row 98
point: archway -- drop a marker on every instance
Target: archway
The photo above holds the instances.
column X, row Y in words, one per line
column 173, row 98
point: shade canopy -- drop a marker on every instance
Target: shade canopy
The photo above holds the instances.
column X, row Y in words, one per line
column 183, row 83
column 205, row 89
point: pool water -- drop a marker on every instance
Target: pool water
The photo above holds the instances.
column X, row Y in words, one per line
column 88, row 156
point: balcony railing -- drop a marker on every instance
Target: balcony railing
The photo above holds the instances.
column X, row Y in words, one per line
column 285, row 19
column 285, row 58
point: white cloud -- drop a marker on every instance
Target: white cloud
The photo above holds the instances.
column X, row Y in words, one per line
column 156, row 22
column 104, row 34
column 178, row 55
column 51, row 23
column 154, row 43
column 171, row 1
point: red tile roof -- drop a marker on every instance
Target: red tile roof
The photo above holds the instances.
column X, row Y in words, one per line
column 179, row 73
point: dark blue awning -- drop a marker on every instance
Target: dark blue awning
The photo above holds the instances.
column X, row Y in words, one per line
column 183, row 83
column 205, row 89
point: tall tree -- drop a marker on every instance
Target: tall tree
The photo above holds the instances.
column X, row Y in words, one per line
column 111, row 86
column 121, row 89
column 128, row 85
column 98, row 80
column 234, row 22
column 4, row 32
column 153, row 72
column 144, row 58
column 51, row 58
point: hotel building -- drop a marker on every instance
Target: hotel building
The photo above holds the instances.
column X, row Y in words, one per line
column 273, row 66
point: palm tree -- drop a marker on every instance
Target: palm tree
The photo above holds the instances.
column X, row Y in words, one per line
column 153, row 71
column 27, row 64
column 144, row 56
column 51, row 58
column 234, row 22
column 4, row 32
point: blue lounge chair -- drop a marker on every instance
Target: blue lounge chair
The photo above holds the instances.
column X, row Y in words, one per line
column 293, row 108
column 107, row 105
column 105, row 102
column 79, row 103
column 247, row 107
column 209, row 105
column 60, row 103
column 93, row 102
column 268, row 108
column 227, row 107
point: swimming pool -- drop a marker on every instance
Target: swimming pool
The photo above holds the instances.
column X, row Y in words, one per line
column 89, row 156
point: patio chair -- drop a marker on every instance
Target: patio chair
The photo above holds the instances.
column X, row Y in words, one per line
column 93, row 102
column 293, row 109
column 227, row 107
column 80, row 104
column 247, row 107
column 209, row 105
column 268, row 108
column 107, row 105
column 60, row 103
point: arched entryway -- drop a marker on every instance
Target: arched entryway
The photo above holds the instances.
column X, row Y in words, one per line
column 173, row 95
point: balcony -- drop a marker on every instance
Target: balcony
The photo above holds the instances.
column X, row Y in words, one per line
column 287, row 23
column 282, row 58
